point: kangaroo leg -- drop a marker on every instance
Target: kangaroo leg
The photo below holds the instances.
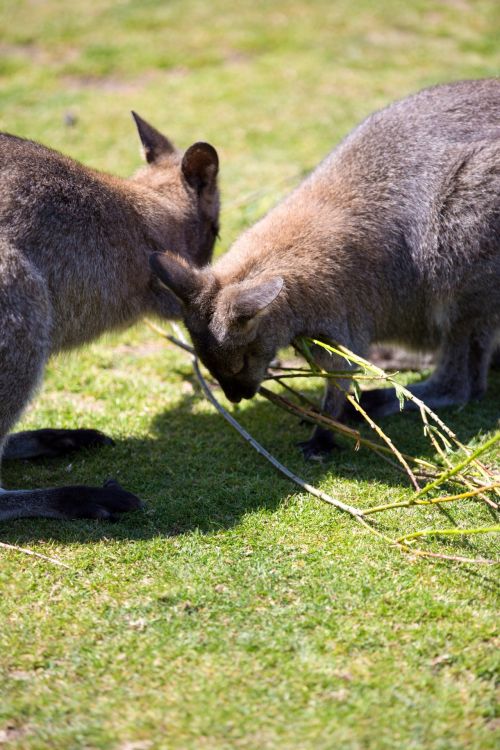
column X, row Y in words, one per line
column 24, row 349
column 480, row 357
column 49, row 443
column 322, row 442
column 495, row 359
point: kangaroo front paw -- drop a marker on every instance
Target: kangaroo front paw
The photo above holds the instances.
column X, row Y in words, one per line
column 106, row 502
column 319, row 446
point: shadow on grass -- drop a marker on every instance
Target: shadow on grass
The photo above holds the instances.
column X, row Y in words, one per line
column 196, row 473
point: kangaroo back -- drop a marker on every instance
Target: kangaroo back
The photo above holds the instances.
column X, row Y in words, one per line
column 74, row 247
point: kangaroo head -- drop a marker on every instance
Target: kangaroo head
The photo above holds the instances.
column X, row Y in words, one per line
column 236, row 328
column 188, row 182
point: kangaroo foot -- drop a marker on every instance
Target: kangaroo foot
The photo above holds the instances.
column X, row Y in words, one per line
column 106, row 502
column 49, row 443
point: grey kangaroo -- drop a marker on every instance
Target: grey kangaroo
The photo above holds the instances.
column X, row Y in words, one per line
column 395, row 237
column 74, row 247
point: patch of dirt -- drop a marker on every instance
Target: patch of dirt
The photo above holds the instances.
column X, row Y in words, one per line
column 31, row 51
column 111, row 84
column 116, row 84
column 38, row 54
column 11, row 732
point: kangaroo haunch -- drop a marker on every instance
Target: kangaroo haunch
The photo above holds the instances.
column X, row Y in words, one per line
column 74, row 247
column 395, row 237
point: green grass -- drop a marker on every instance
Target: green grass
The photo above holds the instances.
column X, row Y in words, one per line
column 234, row 612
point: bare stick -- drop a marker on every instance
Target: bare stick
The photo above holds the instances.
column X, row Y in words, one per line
column 355, row 512
column 300, row 396
column 173, row 340
column 383, row 436
column 34, row 554
column 453, row 558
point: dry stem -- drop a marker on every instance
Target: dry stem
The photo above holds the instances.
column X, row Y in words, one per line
column 30, row 552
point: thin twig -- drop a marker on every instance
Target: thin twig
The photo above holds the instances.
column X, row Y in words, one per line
column 355, row 512
column 330, row 375
column 173, row 340
column 383, row 436
column 300, row 396
column 30, row 552
column 449, row 532
column 453, row 558
column 432, row 501
column 340, row 427
column 458, row 467
column 472, row 457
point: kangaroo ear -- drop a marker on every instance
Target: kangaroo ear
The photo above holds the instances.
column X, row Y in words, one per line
column 183, row 280
column 154, row 143
column 200, row 166
column 250, row 301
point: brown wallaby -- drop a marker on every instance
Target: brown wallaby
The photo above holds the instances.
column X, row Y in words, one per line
column 395, row 237
column 74, row 247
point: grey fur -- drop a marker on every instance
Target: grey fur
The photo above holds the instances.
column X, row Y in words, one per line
column 74, row 247
column 395, row 237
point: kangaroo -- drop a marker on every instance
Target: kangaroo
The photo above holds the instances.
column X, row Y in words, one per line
column 74, row 247
column 395, row 237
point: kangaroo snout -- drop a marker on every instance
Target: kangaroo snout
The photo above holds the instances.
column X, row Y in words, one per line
column 236, row 392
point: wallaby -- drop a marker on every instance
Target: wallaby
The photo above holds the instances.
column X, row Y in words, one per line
column 395, row 237
column 74, row 247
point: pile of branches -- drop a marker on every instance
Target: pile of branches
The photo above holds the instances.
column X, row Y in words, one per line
column 457, row 474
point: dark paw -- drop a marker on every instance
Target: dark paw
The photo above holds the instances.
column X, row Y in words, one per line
column 319, row 446
column 61, row 442
column 106, row 502
column 48, row 443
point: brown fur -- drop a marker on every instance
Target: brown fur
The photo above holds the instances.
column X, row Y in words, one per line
column 395, row 237
column 74, row 246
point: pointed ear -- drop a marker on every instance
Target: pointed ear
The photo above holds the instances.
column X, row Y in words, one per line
column 183, row 280
column 154, row 143
column 200, row 166
column 250, row 301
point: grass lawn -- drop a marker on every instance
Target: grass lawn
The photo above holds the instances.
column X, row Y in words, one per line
column 234, row 612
